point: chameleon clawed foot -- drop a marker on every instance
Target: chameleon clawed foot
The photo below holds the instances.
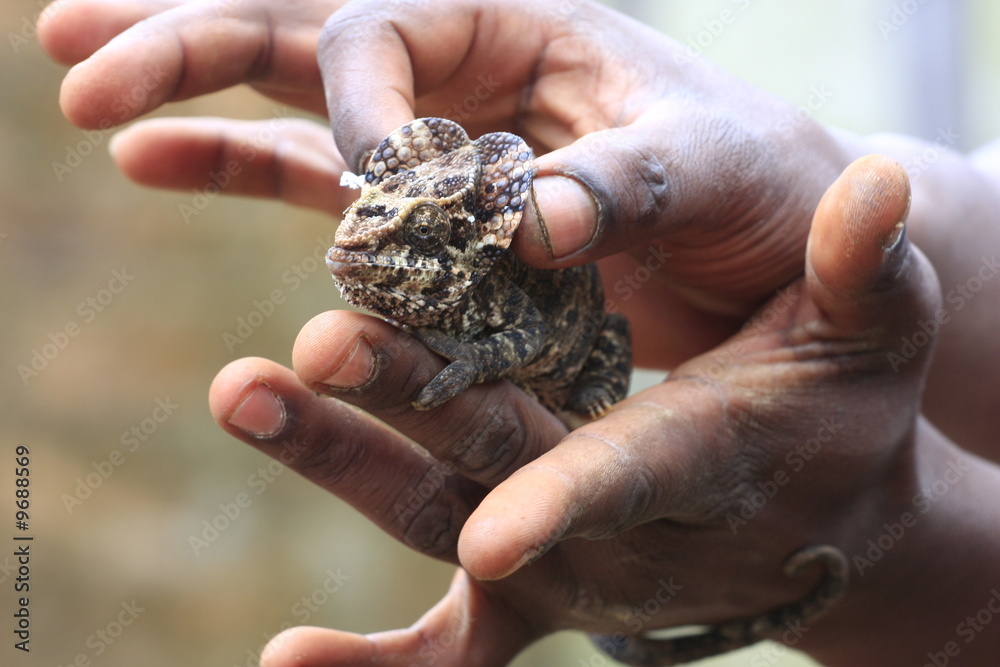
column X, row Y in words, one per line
column 453, row 380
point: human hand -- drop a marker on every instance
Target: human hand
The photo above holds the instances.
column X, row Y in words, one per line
column 696, row 197
column 685, row 182
column 582, row 530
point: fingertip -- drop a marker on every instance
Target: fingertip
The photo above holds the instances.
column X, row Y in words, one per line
column 560, row 221
column 168, row 152
column 335, row 349
column 305, row 646
column 132, row 147
column 225, row 386
column 858, row 231
column 99, row 95
column 78, row 95
column 242, row 398
column 515, row 524
column 58, row 34
column 71, row 31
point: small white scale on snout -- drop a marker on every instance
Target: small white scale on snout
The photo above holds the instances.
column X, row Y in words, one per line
column 351, row 180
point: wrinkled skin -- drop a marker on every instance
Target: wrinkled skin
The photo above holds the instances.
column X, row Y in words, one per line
column 658, row 155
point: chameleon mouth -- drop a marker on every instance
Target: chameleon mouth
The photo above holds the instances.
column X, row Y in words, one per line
column 346, row 263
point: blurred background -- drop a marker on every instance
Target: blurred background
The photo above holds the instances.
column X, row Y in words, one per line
column 123, row 305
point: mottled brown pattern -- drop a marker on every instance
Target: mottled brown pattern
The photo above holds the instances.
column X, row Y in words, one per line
column 425, row 246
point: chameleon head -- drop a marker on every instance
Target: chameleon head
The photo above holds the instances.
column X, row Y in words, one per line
column 408, row 248
column 436, row 212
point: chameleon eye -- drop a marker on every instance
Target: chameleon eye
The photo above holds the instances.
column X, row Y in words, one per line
column 427, row 228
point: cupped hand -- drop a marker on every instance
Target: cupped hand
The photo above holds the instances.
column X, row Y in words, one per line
column 693, row 188
column 649, row 517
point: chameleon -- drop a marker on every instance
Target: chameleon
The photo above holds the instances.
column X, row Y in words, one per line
column 426, row 247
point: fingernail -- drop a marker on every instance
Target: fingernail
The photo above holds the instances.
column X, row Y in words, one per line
column 895, row 238
column 570, row 216
column 261, row 414
column 356, row 370
column 528, row 557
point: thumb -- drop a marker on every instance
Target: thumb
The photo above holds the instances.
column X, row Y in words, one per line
column 862, row 273
column 604, row 188
column 721, row 195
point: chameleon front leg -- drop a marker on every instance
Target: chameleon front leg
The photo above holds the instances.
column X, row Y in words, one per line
column 489, row 358
column 605, row 376
column 736, row 634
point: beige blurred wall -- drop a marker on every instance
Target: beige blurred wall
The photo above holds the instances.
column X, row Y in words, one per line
column 149, row 296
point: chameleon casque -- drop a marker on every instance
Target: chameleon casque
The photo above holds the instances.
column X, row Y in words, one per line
column 425, row 246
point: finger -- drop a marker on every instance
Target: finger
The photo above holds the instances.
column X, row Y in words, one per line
column 189, row 50
column 701, row 181
column 282, row 158
column 72, row 30
column 485, row 433
column 465, row 629
column 862, row 271
column 397, row 486
column 657, row 454
column 384, row 66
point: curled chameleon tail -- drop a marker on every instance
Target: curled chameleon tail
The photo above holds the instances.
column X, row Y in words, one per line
column 736, row 634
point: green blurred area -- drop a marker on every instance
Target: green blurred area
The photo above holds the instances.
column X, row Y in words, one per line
column 123, row 299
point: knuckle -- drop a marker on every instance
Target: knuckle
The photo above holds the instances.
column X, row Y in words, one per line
column 490, row 446
column 330, row 463
column 653, row 193
column 431, row 517
column 639, row 490
column 403, row 367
